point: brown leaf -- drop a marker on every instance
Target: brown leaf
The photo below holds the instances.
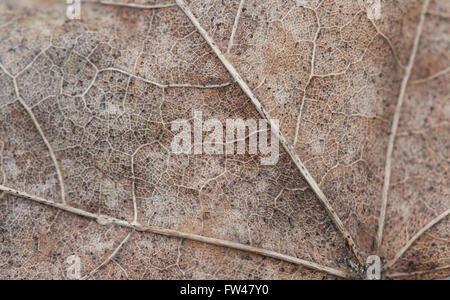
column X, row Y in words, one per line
column 86, row 108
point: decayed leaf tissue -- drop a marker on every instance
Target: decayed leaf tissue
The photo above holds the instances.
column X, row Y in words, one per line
column 91, row 188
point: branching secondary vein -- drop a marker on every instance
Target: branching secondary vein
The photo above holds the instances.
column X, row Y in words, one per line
column 395, row 124
column 408, row 245
column 131, row 5
column 111, row 257
column 289, row 149
column 106, row 220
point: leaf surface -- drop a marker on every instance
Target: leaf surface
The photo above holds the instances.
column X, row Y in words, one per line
column 86, row 109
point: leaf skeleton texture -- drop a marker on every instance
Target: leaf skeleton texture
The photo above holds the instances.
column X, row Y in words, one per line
column 338, row 80
column 86, row 166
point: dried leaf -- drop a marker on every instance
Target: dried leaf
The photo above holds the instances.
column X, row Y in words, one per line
column 88, row 175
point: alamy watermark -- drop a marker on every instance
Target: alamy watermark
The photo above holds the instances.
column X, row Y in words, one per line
column 373, row 9
column 212, row 137
column 373, row 267
column 74, row 270
column 73, row 9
